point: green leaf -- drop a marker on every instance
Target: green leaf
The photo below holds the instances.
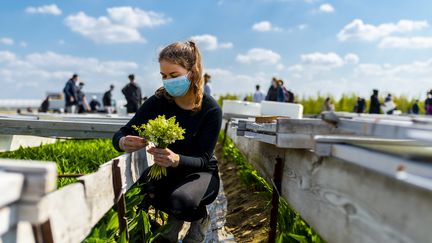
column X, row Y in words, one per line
column 162, row 132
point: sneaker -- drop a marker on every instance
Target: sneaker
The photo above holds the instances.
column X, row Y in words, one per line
column 197, row 230
column 174, row 227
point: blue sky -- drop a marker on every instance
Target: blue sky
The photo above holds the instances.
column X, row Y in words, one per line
column 315, row 46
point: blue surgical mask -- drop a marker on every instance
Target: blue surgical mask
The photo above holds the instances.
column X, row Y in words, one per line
column 178, row 86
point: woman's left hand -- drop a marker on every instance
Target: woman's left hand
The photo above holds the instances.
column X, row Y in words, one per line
column 164, row 157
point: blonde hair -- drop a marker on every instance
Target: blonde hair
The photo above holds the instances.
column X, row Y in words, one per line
column 187, row 55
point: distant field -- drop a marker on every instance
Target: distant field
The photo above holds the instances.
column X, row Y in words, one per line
column 313, row 105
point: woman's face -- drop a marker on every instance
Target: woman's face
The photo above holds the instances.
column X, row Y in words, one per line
column 169, row 70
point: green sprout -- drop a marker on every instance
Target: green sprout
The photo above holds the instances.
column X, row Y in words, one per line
column 161, row 132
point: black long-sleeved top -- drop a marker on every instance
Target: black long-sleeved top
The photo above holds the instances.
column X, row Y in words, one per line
column 132, row 93
column 70, row 90
column 196, row 151
column 374, row 105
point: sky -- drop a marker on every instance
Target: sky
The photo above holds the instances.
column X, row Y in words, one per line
column 315, row 46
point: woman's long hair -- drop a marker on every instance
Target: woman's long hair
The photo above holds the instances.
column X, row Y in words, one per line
column 187, row 55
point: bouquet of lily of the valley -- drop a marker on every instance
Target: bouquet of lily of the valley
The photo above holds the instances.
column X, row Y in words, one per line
column 161, row 132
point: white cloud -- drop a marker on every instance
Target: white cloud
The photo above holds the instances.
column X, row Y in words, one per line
column 210, row 42
column 7, row 41
column 54, row 60
column 50, row 70
column 351, row 58
column 326, row 8
column 302, row 26
column 7, row 56
column 265, row 26
column 316, row 63
column 136, row 18
column 280, row 67
column 259, row 55
column 120, row 26
column 223, row 80
column 23, row 44
column 45, row 9
column 410, row 79
column 102, row 30
column 417, row 42
column 357, row 30
column 330, row 59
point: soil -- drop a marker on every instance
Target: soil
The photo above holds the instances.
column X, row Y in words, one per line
column 248, row 213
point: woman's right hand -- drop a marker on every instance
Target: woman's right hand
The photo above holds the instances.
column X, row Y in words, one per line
column 132, row 143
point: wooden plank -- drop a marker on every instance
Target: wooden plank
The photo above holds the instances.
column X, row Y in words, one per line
column 85, row 117
column 264, row 161
column 5, row 142
column 25, row 233
column 69, row 214
column 10, row 236
column 304, row 126
column 11, row 186
column 133, row 166
column 98, row 186
column 362, row 205
column 228, row 116
column 266, row 138
column 290, row 133
column 391, row 165
column 99, row 192
column 8, row 218
column 67, row 210
column 40, row 177
column 14, row 142
column 419, row 119
column 349, row 139
column 76, row 208
column 261, row 127
column 383, row 128
column 58, row 128
column 346, row 202
column 294, row 140
column 60, row 125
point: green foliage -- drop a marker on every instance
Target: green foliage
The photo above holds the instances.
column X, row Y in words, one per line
column 291, row 227
column 85, row 156
column 227, row 97
column 313, row 105
column 141, row 226
column 248, row 175
column 248, row 97
column 347, row 102
column 71, row 156
column 161, row 132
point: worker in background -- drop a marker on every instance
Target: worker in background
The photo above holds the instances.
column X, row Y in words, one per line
column 132, row 93
column 415, row 108
column 428, row 103
column 328, row 105
column 258, row 96
column 275, row 92
column 375, row 103
column 45, row 105
column 70, row 92
column 207, row 87
column 107, row 100
column 360, row 105
column 83, row 105
column 95, row 105
column 389, row 106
